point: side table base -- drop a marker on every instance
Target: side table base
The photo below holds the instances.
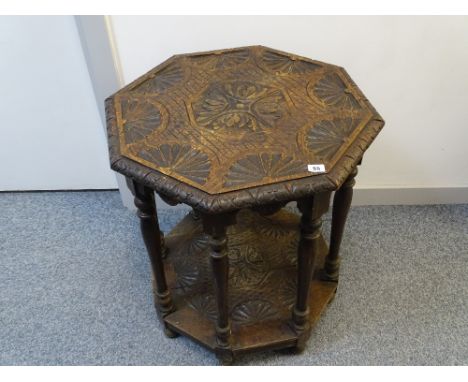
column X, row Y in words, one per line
column 262, row 255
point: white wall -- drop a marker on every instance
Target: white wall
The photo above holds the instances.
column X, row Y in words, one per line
column 51, row 134
column 413, row 69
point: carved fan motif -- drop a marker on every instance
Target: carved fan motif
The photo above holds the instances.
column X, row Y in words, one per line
column 239, row 106
column 187, row 279
column 205, row 304
column 246, row 112
column 332, row 91
column 326, row 137
column 198, row 244
column 182, row 160
column 273, row 228
column 140, row 118
column 253, row 311
column 222, row 61
column 162, row 80
column 282, row 64
column 260, row 166
column 288, row 292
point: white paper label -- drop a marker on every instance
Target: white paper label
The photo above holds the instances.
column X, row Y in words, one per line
column 316, row 167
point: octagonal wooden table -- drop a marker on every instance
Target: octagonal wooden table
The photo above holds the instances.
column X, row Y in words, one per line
column 237, row 134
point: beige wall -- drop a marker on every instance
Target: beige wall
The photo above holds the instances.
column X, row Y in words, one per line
column 50, row 131
column 413, row 69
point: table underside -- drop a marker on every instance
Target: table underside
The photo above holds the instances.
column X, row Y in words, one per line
column 262, row 253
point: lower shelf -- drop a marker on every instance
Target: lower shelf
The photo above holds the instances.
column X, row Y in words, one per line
column 262, row 255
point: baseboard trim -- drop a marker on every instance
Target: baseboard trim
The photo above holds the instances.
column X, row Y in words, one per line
column 362, row 196
column 407, row 196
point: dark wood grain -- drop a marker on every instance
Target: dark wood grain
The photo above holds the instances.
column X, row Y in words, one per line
column 215, row 230
column 205, row 128
column 341, row 204
column 231, row 133
column 146, row 205
column 312, row 209
column 262, row 253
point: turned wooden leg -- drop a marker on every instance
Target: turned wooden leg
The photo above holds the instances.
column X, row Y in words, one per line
column 194, row 214
column 341, row 204
column 312, row 209
column 215, row 227
column 145, row 203
column 164, row 249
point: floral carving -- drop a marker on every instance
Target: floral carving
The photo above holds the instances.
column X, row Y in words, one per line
column 248, row 267
column 180, row 159
column 253, row 311
column 327, row 136
column 228, row 105
column 162, row 80
column 239, row 106
column 257, row 167
column 279, row 63
column 140, row 118
column 333, row 92
column 291, row 251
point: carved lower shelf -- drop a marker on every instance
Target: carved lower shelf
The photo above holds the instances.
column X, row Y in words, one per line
column 262, row 282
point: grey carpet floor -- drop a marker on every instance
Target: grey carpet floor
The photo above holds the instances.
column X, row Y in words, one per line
column 75, row 288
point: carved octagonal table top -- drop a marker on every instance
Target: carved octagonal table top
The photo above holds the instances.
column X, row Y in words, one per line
column 238, row 120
